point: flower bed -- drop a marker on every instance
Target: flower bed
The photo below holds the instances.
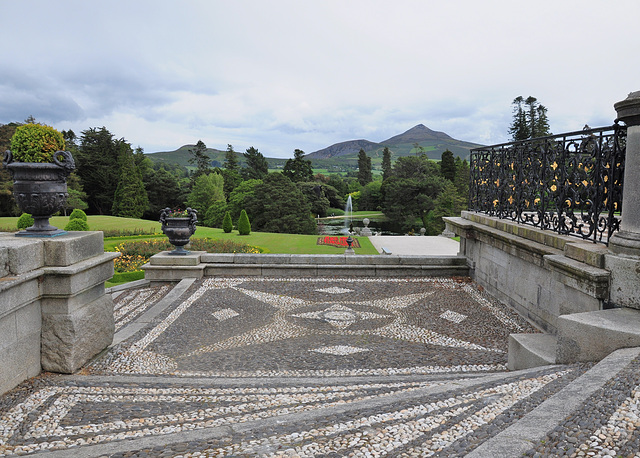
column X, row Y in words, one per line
column 340, row 242
column 137, row 252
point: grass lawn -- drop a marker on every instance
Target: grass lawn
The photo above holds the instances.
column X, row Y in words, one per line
column 271, row 242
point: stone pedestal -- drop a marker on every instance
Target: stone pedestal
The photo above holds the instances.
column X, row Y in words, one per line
column 54, row 314
column 624, row 259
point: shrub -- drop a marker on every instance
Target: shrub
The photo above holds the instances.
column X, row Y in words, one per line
column 227, row 224
column 25, row 221
column 78, row 214
column 76, row 225
column 35, row 143
column 244, row 226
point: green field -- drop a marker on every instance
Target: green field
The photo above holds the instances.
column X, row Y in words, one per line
column 270, row 242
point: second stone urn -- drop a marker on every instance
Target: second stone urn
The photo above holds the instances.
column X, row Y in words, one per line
column 179, row 226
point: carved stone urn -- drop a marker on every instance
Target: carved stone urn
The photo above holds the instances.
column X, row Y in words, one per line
column 179, row 229
column 40, row 189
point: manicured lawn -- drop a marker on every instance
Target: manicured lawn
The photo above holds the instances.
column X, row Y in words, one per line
column 96, row 223
column 271, row 242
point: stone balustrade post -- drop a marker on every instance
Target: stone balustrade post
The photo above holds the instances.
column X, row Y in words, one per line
column 624, row 259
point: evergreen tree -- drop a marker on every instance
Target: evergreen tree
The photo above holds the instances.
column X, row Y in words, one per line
column 231, row 180
column 257, row 167
column 206, row 190
column 462, row 181
column 98, row 168
column 244, row 226
column 200, row 159
column 386, row 163
column 298, row 169
column 227, row 224
column 519, row 129
column 314, row 194
column 529, row 119
column 277, row 205
column 130, row 198
column 77, row 197
column 231, row 159
column 163, row 190
column 448, row 165
column 364, row 168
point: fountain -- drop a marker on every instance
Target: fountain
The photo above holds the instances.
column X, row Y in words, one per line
column 348, row 214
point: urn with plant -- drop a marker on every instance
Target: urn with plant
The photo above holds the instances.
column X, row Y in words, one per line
column 178, row 226
column 39, row 167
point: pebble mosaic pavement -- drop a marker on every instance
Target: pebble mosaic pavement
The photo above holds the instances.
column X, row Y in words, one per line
column 308, row 367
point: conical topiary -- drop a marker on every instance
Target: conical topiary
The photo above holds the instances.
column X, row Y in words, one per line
column 227, row 224
column 244, row 226
column 78, row 214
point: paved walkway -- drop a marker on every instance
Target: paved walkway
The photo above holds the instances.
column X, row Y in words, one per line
column 407, row 245
column 249, row 367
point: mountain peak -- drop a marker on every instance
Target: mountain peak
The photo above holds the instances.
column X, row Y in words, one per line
column 417, row 134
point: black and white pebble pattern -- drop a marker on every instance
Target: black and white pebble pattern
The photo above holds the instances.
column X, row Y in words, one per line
column 300, row 367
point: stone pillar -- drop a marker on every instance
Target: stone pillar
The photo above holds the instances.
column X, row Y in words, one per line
column 77, row 315
column 624, row 259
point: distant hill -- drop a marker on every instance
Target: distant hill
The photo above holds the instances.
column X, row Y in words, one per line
column 343, row 156
column 431, row 142
column 181, row 157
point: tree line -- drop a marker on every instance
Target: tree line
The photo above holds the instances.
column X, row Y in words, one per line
column 113, row 178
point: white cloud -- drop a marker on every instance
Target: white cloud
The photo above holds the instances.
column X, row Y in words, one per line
column 281, row 75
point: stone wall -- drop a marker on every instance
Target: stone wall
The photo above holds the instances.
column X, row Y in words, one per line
column 541, row 274
column 165, row 267
column 54, row 314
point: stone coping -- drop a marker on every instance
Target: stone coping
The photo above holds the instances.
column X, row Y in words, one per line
column 165, row 267
column 583, row 251
column 197, row 257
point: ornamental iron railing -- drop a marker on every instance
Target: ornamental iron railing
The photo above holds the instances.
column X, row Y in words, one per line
column 569, row 183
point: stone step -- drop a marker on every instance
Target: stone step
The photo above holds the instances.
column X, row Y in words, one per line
column 531, row 350
column 582, row 337
column 591, row 336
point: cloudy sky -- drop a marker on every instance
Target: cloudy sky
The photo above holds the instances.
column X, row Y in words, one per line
column 280, row 75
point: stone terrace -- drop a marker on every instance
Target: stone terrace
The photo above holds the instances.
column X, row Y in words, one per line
column 261, row 366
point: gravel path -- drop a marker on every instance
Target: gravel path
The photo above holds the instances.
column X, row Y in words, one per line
column 314, row 367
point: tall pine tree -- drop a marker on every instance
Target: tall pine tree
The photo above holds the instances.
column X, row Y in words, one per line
column 257, row 167
column 130, row 198
column 364, row 168
column 200, row 159
column 448, row 166
column 529, row 119
column 386, row 163
column 298, row 169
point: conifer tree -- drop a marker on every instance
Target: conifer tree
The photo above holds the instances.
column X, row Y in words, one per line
column 200, row 159
column 529, row 119
column 130, row 199
column 364, row 168
column 298, row 169
column 227, row 224
column 257, row 167
column 386, row 163
column 244, row 226
column 448, row 166
column 230, row 159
